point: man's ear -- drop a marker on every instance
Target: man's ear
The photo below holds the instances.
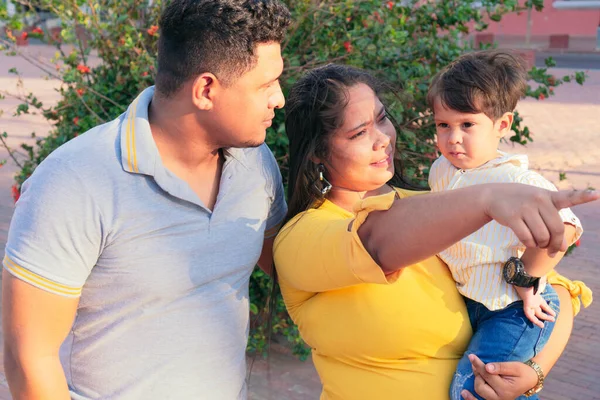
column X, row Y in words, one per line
column 204, row 89
column 505, row 123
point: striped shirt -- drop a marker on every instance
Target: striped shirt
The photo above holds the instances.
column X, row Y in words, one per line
column 476, row 262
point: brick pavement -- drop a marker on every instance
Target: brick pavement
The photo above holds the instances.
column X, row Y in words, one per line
column 567, row 133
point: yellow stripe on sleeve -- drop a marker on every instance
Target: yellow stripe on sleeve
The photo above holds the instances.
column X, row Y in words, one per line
column 39, row 281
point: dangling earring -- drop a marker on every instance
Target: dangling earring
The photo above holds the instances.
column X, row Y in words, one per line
column 325, row 185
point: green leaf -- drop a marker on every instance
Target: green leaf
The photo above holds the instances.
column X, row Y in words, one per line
column 549, row 62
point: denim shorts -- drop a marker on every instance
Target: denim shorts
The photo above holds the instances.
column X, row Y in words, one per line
column 502, row 335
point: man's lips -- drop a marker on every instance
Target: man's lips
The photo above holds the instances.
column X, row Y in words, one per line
column 269, row 120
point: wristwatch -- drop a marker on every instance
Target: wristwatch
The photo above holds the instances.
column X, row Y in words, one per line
column 514, row 274
column 540, row 383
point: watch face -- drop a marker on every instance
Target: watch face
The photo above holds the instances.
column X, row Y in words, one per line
column 510, row 269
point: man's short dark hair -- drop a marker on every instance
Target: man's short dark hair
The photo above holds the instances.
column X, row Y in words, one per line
column 216, row 36
column 488, row 81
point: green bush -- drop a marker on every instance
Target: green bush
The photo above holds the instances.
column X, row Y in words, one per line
column 404, row 42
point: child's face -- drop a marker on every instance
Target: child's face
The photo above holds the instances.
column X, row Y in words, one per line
column 468, row 140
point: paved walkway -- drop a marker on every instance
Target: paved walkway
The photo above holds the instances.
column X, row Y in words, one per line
column 567, row 133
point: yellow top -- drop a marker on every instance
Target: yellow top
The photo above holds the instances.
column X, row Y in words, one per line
column 372, row 337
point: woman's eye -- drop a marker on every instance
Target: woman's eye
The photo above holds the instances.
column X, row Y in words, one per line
column 359, row 134
column 384, row 117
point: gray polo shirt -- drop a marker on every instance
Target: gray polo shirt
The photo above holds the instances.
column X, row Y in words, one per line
column 163, row 281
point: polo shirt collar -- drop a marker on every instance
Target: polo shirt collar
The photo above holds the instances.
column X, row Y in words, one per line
column 139, row 154
column 138, row 149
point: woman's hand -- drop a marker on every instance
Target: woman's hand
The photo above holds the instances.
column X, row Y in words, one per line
column 531, row 214
column 500, row 380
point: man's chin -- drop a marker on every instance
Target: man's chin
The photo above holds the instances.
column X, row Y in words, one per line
column 254, row 142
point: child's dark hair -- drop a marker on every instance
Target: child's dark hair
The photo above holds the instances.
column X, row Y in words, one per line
column 488, row 81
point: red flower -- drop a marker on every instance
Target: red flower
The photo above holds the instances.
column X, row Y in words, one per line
column 551, row 91
column 76, row 120
column 145, row 74
column 390, row 4
column 24, row 35
column 541, row 96
column 378, row 17
column 152, row 30
column 84, row 69
column 38, row 31
column 16, row 193
column 80, row 91
column 578, row 242
column 551, row 81
column 348, row 46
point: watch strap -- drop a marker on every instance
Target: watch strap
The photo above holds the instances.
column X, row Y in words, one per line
column 541, row 377
column 522, row 278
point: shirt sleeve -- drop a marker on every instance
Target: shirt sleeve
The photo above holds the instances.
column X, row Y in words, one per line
column 534, row 179
column 440, row 174
column 318, row 251
column 55, row 234
column 434, row 174
column 278, row 208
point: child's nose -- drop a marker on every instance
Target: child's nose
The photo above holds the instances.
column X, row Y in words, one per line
column 455, row 137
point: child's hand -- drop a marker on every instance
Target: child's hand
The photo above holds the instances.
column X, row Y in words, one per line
column 535, row 307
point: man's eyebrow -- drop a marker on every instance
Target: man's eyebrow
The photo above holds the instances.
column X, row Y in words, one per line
column 272, row 81
column 381, row 111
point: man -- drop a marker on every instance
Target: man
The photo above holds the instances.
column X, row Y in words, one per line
column 131, row 246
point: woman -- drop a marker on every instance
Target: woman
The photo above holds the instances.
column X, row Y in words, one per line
column 380, row 311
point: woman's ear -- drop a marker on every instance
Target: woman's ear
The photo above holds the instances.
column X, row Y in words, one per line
column 316, row 160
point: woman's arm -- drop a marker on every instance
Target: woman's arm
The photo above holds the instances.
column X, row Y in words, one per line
column 509, row 380
column 433, row 222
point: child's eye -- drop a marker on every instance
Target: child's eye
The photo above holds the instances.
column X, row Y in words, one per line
column 442, row 125
column 468, row 124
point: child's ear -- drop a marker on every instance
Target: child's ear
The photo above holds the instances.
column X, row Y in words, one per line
column 505, row 123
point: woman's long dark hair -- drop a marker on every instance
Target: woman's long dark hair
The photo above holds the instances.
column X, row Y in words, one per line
column 314, row 110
